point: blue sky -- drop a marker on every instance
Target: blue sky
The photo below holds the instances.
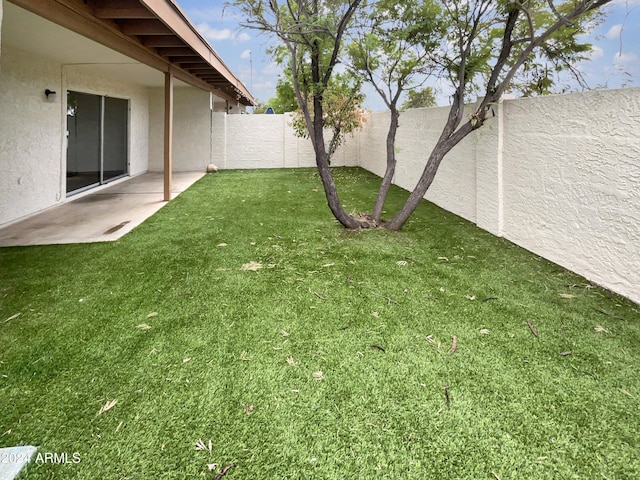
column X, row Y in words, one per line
column 615, row 59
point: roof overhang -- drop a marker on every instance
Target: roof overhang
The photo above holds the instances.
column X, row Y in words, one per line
column 153, row 32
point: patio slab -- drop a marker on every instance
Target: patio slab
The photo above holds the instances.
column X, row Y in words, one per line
column 100, row 216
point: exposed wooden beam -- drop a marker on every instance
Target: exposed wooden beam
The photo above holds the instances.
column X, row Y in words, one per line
column 174, row 51
column 144, row 27
column 128, row 12
column 163, row 41
column 198, row 69
column 168, row 133
column 77, row 17
column 186, row 59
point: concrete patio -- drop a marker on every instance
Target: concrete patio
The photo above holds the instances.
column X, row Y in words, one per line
column 98, row 216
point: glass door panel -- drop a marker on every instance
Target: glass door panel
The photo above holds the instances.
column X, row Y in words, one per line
column 116, row 116
column 97, row 140
column 83, row 140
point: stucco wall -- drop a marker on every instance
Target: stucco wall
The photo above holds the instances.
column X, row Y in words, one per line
column 454, row 187
column 268, row 141
column 572, row 183
column 31, row 135
column 33, row 146
column 192, row 131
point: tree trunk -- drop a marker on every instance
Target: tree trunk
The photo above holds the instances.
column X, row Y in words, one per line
column 391, row 166
column 322, row 159
column 449, row 138
column 331, row 192
column 426, row 179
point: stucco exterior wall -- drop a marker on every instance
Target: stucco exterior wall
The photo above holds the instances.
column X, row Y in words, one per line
column 192, row 129
column 31, row 133
column 32, row 128
column 557, row 175
column 454, row 187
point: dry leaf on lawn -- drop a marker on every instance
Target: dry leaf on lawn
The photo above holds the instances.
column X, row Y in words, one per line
column 484, row 331
column 248, row 409
column 107, row 406
column 212, row 466
column 185, row 360
column 567, row 295
column 401, row 263
column 152, row 314
column 200, row 445
column 222, row 245
column 318, row 376
column 12, row 317
column 601, row 329
column 291, row 361
column 251, row 266
column 144, row 326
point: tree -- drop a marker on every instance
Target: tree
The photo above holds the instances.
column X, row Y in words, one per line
column 341, row 112
column 419, row 99
column 486, row 48
column 487, row 43
column 391, row 48
column 285, row 99
column 311, row 32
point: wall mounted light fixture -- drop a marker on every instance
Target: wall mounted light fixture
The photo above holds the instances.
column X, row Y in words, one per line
column 50, row 94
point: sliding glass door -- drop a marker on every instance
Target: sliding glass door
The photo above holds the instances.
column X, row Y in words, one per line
column 97, row 139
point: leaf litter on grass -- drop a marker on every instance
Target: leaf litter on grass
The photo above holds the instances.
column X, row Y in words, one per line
column 107, row 406
column 251, row 267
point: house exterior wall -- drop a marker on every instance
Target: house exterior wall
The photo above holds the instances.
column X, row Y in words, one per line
column 192, row 131
column 32, row 128
column 31, row 133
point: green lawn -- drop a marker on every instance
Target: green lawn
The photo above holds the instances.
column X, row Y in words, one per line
column 329, row 362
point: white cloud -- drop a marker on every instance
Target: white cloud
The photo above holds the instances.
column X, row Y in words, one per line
column 246, row 54
column 596, row 52
column 217, row 34
column 243, row 37
column 624, row 58
column 214, row 34
column 614, row 32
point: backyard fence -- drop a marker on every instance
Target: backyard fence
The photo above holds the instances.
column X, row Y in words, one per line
column 557, row 175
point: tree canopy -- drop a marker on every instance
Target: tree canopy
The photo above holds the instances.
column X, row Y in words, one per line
column 480, row 48
column 422, row 98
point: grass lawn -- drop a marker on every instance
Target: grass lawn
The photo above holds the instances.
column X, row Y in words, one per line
column 331, row 361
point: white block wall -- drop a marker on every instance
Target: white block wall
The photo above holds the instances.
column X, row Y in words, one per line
column 572, row 183
column 268, row 141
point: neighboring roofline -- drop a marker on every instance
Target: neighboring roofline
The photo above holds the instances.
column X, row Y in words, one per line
column 167, row 20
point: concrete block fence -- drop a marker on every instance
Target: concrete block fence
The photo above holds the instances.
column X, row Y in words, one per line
column 558, row 175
